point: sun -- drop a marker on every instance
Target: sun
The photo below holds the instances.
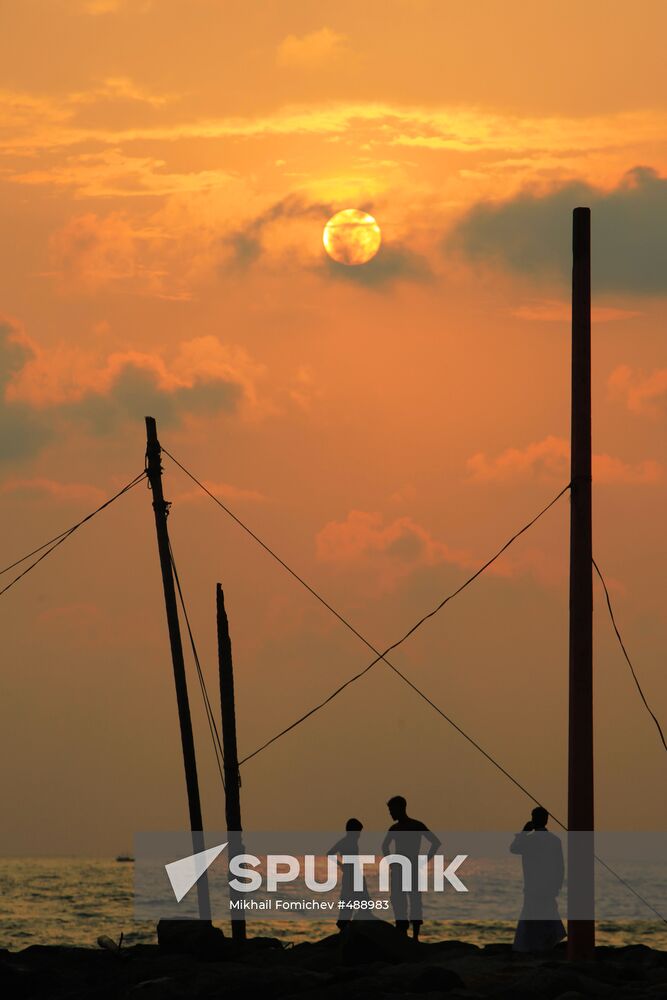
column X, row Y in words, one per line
column 352, row 237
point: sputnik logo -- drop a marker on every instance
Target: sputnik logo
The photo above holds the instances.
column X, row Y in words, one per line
column 282, row 868
column 185, row 872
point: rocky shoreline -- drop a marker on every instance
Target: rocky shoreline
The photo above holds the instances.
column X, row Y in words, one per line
column 369, row 959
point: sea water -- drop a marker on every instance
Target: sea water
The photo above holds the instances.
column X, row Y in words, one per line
column 72, row 901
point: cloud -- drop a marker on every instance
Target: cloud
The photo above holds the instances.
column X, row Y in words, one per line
column 91, row 251
column 205, row 377
column 164, row 255
column 136, row 389
column 53, row 489
column 99, row 7
column 608, row 469
column 646, row 394
column 43, row 121
column 42, row 391
column 170, row 252
column 304, row 389
column 391, row 264
column 15, row 351
column 22, row 432
column 381, row 555
column 246, row 243
column 202, row 369
column 388, row 552
column 224, row 491
column 111, row 173
column 316, row 50
column 131, row 114
column 120, row 88
column 549, row 460
column 544, row 459
column 531, row 232
column 556, row 311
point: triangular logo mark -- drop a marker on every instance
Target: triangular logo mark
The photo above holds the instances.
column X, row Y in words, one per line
column 185, row 872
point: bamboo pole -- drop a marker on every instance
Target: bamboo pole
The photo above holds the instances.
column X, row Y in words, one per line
column 229, row 747
column 160, row 509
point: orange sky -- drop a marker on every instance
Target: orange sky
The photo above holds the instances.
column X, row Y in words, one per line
column 166, row 168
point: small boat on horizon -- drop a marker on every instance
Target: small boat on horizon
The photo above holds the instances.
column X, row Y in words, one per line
column 124, row 857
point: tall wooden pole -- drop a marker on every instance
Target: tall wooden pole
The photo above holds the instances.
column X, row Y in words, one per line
column 581, row 889
column 229, row 747
column 160, row 509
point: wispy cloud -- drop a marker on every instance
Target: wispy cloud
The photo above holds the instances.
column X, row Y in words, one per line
column 98, row 8
column 557, row 311
column 549, row 460
column 53, row 489
column 224, row 491
column 321, row 49
column 245, row 242
column 110, row 173
column 42, row 122
column 642, row 393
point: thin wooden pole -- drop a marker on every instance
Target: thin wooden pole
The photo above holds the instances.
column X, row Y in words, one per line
column 161, row 509
column 229, row 747
column 581, row 888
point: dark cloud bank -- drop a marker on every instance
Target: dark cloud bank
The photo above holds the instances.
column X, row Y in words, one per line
column 532, row 234
column 391, row 263
column 135, row 392
column 23, row 432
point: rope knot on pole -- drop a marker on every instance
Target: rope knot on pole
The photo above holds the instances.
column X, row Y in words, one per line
column 162, row 506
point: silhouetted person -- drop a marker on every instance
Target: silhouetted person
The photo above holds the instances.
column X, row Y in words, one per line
column 540, row 927
column 406, row 836
column 349, row 844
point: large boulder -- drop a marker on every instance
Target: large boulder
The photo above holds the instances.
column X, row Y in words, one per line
column 190, row 937
column 374, row 941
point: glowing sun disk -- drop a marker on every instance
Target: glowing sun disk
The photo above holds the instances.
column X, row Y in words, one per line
column 351, row 237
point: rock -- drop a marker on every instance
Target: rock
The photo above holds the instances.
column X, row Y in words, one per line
column 190, row 937
column 544, row 983
column 264, row 944
column 372, row 941
column 514, row 992
column 369, row 961
column 463, row 994
column 163, row 988
column 657, row 990
column 497, row 949
column 451, row 948
column 435, row 978
column 18, row 981
column 407, row 979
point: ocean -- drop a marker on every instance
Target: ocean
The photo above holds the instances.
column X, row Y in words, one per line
column 72, row 901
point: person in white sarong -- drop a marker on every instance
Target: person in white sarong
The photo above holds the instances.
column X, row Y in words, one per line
column 540, row 927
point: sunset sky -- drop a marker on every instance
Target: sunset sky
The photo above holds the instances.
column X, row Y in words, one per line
column 166, row 170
